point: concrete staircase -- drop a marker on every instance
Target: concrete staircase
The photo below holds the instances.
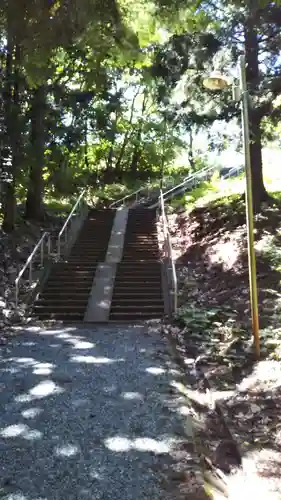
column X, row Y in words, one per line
column 113, row 272
column 138, row 288
column 66, row 292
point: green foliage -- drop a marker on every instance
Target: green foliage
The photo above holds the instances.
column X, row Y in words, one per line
column 112, row 80
column 212, row 324
column 210, row 192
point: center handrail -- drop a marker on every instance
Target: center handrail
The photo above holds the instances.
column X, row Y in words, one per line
column 64, row 229
column 168, row 250
column 29, row 262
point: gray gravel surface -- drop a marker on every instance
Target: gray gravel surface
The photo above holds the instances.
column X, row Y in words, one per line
column 88, row 413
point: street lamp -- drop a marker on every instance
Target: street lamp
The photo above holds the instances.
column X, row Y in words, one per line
column 216, row 81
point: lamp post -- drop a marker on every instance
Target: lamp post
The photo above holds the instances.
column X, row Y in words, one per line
column 217, row 81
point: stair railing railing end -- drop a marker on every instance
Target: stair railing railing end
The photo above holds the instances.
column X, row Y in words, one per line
column 40, row 246
column 64, row 232
column 168, row 250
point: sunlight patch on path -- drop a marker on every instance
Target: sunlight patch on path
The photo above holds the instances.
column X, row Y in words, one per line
column 103, row 422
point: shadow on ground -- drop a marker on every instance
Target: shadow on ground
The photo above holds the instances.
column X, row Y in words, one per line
column 211, row 247
column 88, row 413
column 211, row 256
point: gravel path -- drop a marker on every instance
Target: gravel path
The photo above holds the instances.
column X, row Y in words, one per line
column 88, row 413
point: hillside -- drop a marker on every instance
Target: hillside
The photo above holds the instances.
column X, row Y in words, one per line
column 214, row 323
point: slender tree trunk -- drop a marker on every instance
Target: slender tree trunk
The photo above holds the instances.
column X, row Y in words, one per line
column 34, row 202
column 126, row 136
column 136, row 154
column 190, row 150
column 137, row 149
column 109, row 173
column 118, row 167
column 12, row 127
column 9, row 207
column 9, row 204
column 86, row 145
column 252, row 74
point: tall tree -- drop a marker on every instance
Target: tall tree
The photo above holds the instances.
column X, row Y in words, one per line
column 34, row 200
column 248, row 26
column 12, row 116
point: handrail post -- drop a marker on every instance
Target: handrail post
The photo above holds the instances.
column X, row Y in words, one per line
column 42, row 252
column 49, row 245
column 75, row 210
column 30, row 272
column 168, row 253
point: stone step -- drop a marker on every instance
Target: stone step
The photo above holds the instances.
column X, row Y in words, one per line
column 72, row 278
column 65, row 294
column 137, row 303
column 64, row 308
column 118, row 316
column 67, row 317
column 65, row 287
column 137, row 295
column 62, row 302
column 136, row 274
column 73, row 266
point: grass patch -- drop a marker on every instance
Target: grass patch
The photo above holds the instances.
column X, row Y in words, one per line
column 59, row 206
column 209, row 192
column 107, row 194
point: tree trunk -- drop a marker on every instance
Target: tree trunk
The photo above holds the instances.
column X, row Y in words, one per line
column 137, row 149
column 86, row 145
column 127, row 136
column 136, row 154
column 109, row 171
column 252, row 75
column 259, row 192
column 118, row 167
column 12, row 127
column 190, row 150
column 109, row 174
column 34, row 202
column 8, row 184
column 9, row 208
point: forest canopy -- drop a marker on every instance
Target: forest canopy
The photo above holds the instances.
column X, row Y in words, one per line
column 103, row 92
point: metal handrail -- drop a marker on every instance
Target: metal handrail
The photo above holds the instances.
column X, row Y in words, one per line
column 64, row 229
column 195, row 176
column 199, row 175
column 191, row 177
column 135, row 193
column 233, row 170
column 29, row 262
column 168, row 250
column 116, row 203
